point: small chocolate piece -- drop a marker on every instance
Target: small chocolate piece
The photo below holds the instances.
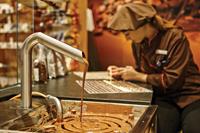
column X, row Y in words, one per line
column 73, row 111
column 131, row 116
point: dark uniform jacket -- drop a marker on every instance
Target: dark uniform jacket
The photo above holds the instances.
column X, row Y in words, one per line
column 169, row 63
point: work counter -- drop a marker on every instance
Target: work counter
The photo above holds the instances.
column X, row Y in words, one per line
column 67, row 88
column 126, row 105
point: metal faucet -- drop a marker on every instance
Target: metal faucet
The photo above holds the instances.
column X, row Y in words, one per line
column 26, row 60
column 59, row 108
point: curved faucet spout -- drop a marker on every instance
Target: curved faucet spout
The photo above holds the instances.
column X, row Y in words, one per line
column 26, row 60
column 59, row 108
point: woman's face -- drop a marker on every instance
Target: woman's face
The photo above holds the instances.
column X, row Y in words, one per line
column 137, row 36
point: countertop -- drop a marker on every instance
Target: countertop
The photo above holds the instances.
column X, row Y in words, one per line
column 67, row 88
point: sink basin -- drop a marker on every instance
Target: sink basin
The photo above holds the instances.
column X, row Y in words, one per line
column 98, row 117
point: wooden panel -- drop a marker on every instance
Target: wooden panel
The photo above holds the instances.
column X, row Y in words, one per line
column 194, row 40
column 83, row 31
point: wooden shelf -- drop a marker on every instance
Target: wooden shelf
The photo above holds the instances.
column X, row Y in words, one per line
column 8, row 57
column 21, row 36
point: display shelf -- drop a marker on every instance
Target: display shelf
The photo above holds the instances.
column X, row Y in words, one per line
column 20, row 37
column 2, row 16
column 69, row 18
column 9, row 60
column 8, row 42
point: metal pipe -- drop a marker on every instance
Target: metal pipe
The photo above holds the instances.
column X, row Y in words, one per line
column 55, row 100
column 59, row 109
column 26, row 60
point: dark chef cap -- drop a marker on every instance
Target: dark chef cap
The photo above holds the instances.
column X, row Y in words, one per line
column 131, row 16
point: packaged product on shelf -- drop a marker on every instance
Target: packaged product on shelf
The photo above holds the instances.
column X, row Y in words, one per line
column 40, row 66
column 51, row 66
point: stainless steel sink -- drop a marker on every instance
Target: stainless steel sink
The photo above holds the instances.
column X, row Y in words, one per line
column 98, row 117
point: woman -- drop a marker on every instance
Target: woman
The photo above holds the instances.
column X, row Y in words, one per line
column 164, row 60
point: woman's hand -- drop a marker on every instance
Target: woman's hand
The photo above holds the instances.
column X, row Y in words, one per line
column 114, row 72
column 129, row 73
column 126, row 73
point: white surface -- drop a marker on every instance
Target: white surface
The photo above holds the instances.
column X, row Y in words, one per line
column 94, row 75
